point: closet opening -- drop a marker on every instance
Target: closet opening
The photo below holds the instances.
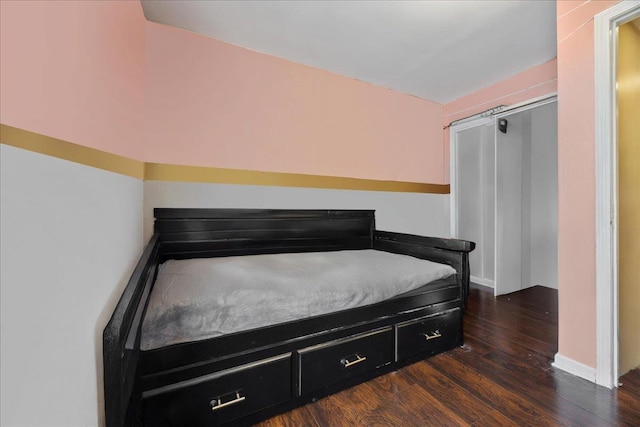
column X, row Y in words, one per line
column 505, row 196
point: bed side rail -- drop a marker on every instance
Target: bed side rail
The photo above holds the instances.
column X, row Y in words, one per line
column 121, row 336
column 453, row 252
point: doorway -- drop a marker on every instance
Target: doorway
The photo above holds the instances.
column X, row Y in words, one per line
column 609, row 225
column 628, row 158
column 505, row 186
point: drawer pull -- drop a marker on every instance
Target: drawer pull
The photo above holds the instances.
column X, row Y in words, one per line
column 217, row 403
column 346, row 362
column 432, row 335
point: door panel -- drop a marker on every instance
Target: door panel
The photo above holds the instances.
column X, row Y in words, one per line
column 508, row 266
column 475, row 197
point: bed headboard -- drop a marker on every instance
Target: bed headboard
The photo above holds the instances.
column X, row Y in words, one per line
column 196, row 233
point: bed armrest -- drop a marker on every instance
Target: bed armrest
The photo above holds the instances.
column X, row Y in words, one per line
column 453, row 252
column 121, row 336
column 433, row 242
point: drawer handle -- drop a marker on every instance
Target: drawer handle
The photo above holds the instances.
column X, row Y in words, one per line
column 432, row 335
column 346, row 362
column 217, row 403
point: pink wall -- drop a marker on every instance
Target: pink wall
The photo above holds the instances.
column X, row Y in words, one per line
column 75, row 71
column 534, row 82
column 210, row 103
column 80, row 71
column 576, row 180
column 97, row 74
column 576, row 163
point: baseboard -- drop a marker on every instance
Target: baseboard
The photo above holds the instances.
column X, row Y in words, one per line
column 483, row 282
column 544, row 286
column 574, row 368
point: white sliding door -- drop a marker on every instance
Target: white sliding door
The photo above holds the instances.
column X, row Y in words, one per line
column 474, row 195
column 509, row 207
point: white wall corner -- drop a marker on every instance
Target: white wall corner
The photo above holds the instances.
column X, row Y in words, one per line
column 574, row 368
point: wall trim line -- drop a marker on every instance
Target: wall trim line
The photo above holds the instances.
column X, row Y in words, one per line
column 199, row 174
column 165, row 172
column 64, row 150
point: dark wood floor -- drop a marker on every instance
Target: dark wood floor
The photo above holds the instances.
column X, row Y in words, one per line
column 502, row 376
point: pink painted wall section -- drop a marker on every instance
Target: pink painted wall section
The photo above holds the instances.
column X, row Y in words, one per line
column 535, row 82
column 576, row 180
column 74, row 70
column 210, row 103
column 532, row 83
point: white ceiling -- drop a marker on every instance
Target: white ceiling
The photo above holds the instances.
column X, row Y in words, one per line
column 437, row 50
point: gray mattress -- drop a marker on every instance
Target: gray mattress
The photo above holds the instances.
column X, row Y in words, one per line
column 196, row 299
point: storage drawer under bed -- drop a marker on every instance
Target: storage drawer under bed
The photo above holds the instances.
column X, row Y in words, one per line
column 428, row 335
column 326, row 364
column 220, row 397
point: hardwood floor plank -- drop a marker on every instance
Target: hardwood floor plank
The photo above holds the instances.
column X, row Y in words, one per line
column 516, row 308
column 527, row 379
column 536, row 298
column 494, row 419
column 455, row 398
column 542, row 327
column 478, row 346
column 631, row 380
column 614, row 407
column 537, row 321
column 502, row 376
column 299, row 417
column 500, row 398
column 385, row 401
column 507, row 337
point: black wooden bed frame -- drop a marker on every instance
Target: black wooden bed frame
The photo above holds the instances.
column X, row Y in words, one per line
column 248, row 376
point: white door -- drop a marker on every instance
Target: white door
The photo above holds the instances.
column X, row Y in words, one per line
column 473, row 190
column 508, row 267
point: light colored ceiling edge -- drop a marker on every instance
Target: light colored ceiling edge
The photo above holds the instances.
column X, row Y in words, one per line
column 267, row 27
column 315, row 68
column 87, row 156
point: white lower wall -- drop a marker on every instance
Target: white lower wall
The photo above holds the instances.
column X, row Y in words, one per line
column 539, row 195
column 71, row 235
column 544, row 196
column 415, row 213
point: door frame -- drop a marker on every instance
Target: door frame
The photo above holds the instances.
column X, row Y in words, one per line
column 606, row 145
